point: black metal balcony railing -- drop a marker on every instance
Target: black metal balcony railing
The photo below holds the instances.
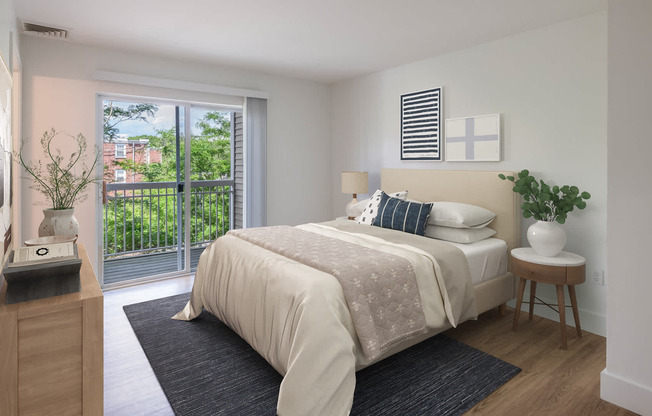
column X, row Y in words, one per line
column 141, row 218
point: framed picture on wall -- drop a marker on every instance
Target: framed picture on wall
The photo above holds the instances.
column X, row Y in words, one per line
column 473, row 139
column 420, row 125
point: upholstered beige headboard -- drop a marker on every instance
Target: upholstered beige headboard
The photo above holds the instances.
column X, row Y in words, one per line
column 481, row 188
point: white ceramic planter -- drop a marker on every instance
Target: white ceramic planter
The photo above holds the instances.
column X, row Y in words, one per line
column 546, row 238
column 58, row 222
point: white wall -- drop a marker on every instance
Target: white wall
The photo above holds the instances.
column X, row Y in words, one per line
column 627, row 380
column 11, row 57
column 550, row 87
column 59, row 92
column 7, row 26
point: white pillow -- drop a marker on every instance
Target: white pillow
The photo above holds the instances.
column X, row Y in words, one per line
column 459, row 215
column 371, row 210
column 356, row 209
column 459, row 235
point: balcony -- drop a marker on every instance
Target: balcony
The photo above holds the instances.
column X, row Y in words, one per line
column 143, row 226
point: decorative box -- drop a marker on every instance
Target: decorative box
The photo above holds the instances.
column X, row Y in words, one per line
column 37, row 279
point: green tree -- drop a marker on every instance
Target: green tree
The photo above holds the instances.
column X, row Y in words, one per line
column 215, row 124
column 212, row 158
column 210, row 152
column 114, row 115
column 153, row 224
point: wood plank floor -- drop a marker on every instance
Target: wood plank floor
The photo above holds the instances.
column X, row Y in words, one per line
column 553, row 381
column 130, row 386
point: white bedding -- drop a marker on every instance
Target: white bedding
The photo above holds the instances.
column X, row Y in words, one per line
column 487, row 258
column 296, row 317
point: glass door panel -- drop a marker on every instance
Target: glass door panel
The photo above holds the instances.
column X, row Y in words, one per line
column 142, row 213
column 162, row 205
column 211, row 184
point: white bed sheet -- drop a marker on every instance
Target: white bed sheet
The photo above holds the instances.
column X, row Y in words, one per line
column 487, row 258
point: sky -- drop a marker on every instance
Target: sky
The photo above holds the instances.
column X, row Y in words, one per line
column 164, row 119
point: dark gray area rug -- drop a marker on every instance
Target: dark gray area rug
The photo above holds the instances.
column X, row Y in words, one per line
column 205, row 369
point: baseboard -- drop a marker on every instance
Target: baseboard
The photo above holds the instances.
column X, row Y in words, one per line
column 590, row 321
column 625, row 393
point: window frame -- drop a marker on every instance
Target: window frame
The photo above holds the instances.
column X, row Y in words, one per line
column 122, row 146
column 124, row 175
column 187, row 125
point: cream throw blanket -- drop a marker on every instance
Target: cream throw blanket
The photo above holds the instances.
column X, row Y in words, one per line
column 380, row 288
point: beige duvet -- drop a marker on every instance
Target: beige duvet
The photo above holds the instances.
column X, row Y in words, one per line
column 296, row 316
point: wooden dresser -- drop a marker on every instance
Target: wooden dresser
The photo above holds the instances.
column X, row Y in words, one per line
column 51, row 352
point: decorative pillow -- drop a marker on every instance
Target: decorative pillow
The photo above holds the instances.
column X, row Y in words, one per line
column 371, row 210
column 459, row 235
column 459, row 215
column 407, row 216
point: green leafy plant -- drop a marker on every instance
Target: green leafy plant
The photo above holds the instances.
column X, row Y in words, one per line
column 59, row 180
column 543, row 202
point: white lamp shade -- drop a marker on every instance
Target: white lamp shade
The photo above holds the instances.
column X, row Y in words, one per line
column 355, row 182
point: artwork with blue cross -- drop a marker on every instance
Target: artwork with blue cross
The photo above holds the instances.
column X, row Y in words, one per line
column 473, row 138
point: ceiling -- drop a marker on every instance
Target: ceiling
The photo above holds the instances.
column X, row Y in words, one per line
column 321, row 40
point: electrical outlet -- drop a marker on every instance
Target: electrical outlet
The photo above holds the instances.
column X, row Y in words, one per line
column 597, row 277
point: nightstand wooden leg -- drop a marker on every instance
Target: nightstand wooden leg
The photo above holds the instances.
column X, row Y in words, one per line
column 576, row 315
column 533, row 293
column 562, row 315
column 519, row 302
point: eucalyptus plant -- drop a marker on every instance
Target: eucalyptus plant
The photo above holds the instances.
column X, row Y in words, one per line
column 543, row 202
column 62, row 180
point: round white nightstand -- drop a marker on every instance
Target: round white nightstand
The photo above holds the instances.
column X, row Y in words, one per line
column 564, row 269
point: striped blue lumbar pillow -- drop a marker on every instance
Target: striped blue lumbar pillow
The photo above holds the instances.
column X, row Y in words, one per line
column 411, row 217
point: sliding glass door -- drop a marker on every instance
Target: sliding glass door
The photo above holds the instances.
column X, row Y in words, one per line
column 162, row 204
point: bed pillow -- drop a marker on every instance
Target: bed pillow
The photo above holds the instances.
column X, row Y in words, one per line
column 407, row 216
column 370, row 211
column 459, row 215
column 459, row 235
column 356, row 210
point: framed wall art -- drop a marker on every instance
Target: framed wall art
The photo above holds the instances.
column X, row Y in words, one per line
column 475, row 139
column 420, row 125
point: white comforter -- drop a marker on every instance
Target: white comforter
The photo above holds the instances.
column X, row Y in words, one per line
column 296, row 316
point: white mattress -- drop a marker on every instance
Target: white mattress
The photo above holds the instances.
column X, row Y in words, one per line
column 487, row 258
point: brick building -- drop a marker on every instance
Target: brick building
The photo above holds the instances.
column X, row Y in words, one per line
column 121, row 149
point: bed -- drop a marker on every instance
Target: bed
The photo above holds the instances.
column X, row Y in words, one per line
column 302, row 320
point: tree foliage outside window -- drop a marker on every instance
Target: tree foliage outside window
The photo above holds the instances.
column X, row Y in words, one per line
column 146, row 219
column 115, row 114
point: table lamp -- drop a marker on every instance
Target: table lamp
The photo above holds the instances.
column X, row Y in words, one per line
column 354, row 183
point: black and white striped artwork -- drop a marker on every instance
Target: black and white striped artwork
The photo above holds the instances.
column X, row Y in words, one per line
column 420, row 125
